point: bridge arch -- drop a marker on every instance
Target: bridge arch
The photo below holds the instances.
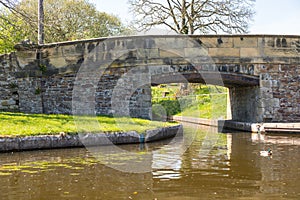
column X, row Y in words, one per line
column 252, row 66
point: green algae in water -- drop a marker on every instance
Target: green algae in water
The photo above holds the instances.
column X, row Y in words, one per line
column 10, row 168
column 44, row 166
column 5, row 173
column 74, row 174
column 30, row 171
column 75, row 168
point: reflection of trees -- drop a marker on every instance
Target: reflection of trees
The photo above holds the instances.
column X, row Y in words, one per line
column 207, row 170
column 207, row 145
column 70, row 173
column 243, row 157
column 280, row 173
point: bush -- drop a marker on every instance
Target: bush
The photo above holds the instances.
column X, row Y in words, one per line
column 171, row 107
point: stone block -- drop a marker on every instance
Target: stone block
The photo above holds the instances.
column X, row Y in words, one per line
column 30, row 142
column 11, row 102
column 118, row 54
column 230, row 52
column 217, row 42
column 94, row 139
column 148, row 53
column 9, row 144
column 195, row 52
column 65, row 141
column 25, row 57
column 4, row 103
column 245, row 42
column 267, row 84
column 163, row 133
column 124, row 138
column 250, row 52
column 176, row 42
column 58, row 62
column 280, row 52
column 266, row 42
column 171, row 53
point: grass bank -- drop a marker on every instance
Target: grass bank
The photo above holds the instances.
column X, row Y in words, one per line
column 211, row 106
column 200, row 101
column 20, row 124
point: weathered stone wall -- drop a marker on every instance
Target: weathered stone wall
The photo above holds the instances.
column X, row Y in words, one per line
column 9, row 97
column 279, row 79
column 280, row 92
column 47, row 85
column 276, row 60
column 57, row 93
column 30, row 92
column 113, row 75
column 245, row 104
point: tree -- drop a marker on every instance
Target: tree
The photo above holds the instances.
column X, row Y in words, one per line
column 9, row 4
column 64, row 20
column 10, row 32
column 192, row 16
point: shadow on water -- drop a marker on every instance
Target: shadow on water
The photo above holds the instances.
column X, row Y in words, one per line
column 203, row 164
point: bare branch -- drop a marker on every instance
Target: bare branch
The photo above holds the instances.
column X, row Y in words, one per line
column 173, row 15
column 190, row 16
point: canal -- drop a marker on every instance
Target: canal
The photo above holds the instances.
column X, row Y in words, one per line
column 202, row 164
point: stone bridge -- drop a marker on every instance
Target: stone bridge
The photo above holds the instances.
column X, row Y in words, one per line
column 113, row 76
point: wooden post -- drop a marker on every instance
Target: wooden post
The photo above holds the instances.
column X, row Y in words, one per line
column 41, row 34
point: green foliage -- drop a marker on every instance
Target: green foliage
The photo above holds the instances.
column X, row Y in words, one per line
column 65, row 20
column 37, row 91
column 14, row 124
column 43, row 68
column 164, row 92
column 10, row 32
column 13, row 85
column 171, row 107
column 208, row 106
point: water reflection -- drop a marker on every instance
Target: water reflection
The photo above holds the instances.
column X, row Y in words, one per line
column 214, row 165
column 279, row 173
column 290, row 139
column 167, row 161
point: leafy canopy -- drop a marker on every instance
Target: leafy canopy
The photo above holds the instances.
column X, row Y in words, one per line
column 65, row 20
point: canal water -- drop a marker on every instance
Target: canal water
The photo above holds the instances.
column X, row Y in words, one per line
column 202, row 164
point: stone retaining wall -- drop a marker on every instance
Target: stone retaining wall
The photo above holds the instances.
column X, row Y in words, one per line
column 9, row 96
column 8, row 144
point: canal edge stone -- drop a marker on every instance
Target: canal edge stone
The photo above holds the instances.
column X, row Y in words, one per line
column 10, row 144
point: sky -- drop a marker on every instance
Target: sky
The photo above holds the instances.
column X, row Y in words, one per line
column 272, row 16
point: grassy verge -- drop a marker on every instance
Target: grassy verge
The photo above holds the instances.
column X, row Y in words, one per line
column 19, row 124
column 213, row 108
column 208, row 102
